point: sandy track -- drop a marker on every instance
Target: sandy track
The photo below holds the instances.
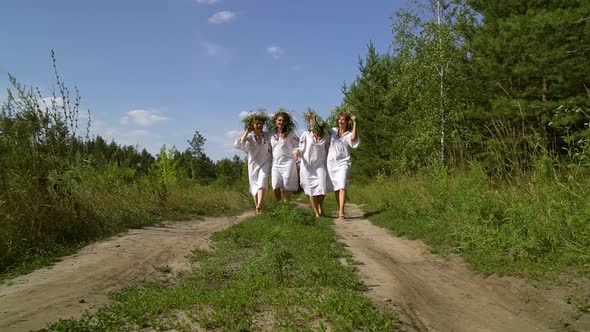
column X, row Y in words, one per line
column 439, row 294
column 82, row 281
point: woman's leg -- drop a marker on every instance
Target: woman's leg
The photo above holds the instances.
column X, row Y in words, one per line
column 314, row 205
column 277, row 193
column 287, row 195
column 259, row 198
column 341, row 202
column 321, row 204
column 255, row 201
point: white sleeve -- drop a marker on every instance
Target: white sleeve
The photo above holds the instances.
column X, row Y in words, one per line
column 294, row 141
column 301, row 145
column 349, row 143
column 245, row 146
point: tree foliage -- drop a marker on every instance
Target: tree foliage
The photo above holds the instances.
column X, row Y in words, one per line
column 500, row 82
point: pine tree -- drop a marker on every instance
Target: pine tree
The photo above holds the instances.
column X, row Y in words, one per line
column 531, row 57
column 369, row 97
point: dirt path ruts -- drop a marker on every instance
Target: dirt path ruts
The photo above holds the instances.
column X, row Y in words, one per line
column 82, row 281
column 440, row 294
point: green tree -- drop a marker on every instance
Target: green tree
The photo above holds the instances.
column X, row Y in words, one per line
column 531, row 57
column 431, row 80
column 197, row 163
column 196, row 145
column 229, row 170
column 164, row 168
column 368, row 96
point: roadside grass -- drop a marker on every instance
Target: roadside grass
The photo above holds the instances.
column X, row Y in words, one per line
column 98, row 206
column 533, row 226
column 277, row 271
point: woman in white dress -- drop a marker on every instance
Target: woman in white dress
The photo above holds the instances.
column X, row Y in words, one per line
column 284, row 169
column 342, row 139
column 313, row 148
column 256, row 143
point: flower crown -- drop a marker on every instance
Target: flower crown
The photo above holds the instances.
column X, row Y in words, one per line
column 259, row 115
column 314, row 122
column 290, row 124
column 341, row 111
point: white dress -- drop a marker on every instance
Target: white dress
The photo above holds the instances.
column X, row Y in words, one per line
column 339, row 158
column 259, row 159
column 313, row 173
column 284, row 169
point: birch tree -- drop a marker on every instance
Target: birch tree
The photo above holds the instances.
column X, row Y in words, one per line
column 429, row 49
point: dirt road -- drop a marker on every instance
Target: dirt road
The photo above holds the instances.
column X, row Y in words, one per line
column 82, row 281
column 441, row 294
column 430, row 293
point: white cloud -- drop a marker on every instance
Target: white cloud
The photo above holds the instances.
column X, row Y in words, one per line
column 233, row 134
column 206, row 2
column 244, row 114
column 274, row 51
column 50, row 102
column 142, row 117
column 221, row 17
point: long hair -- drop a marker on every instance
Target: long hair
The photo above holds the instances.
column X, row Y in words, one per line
column 341, row 111
column 289, row 126
column 315, row 123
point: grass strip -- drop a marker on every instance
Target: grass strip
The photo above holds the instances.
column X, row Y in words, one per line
column 276, row 271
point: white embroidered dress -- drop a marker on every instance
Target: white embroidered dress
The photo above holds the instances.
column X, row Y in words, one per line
column 259, row 159
column 284, row 169
column 339, row 158
column 313, row 173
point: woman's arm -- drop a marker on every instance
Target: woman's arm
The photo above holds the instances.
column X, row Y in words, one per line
column 245, row 134
column 242, row 142
column 298, row 150
column 354, row 135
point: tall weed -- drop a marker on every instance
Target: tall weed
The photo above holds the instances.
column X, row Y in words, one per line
column 55, row 195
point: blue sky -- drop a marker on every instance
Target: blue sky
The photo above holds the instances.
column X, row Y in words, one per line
column 152, row 72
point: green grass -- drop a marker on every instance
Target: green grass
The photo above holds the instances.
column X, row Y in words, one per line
column 534, row 226
column 276, row 271
column 97, row 205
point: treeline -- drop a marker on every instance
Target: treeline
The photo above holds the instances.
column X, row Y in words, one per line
column 475, row 133
column 501, row 83
column 59, row 187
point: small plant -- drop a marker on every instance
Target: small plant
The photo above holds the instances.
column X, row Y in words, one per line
column 583, row 305
column 163, row 269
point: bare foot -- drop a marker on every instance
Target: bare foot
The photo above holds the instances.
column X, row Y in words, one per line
column 258, row 210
